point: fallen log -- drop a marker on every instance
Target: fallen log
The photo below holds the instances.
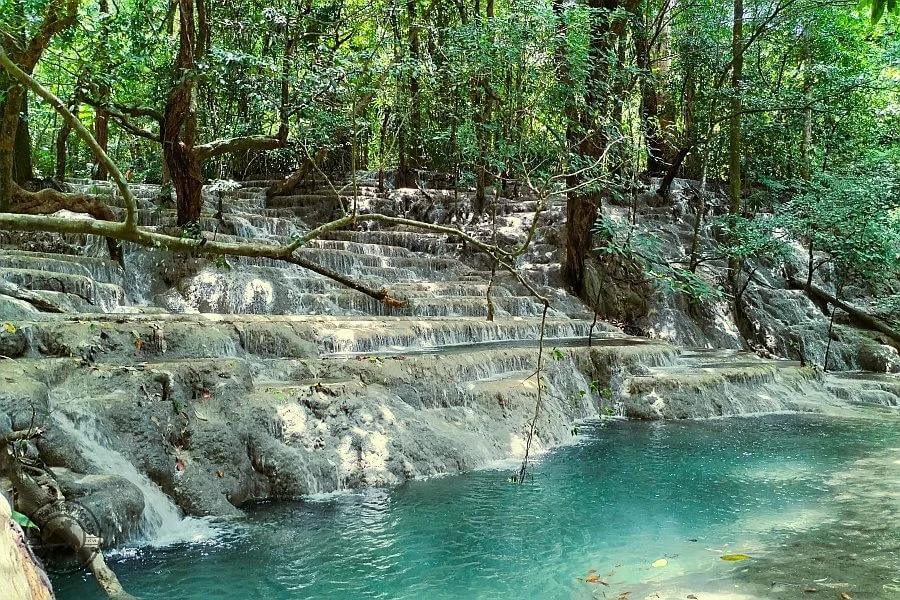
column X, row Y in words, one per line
column 857, row 315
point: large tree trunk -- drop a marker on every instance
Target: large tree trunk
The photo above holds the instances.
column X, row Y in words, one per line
column 181, row 160
column 588, row 135
column 9, row 126
column 734, row 120
column 23, row 168
column 183, row 166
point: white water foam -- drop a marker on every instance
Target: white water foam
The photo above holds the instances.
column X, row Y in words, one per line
column 162, row 523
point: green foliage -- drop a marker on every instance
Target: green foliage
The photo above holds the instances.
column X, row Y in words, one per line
column 757, row 238
column 625, row 242
column 23, row 520
column 852, row 214
column 530, row 89
column 879, row 7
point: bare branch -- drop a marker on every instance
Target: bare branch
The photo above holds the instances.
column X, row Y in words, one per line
column 238, row 144
column 20, row 435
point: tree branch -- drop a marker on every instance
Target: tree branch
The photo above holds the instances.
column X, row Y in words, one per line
column 120, row 113
column 24, row 78
column 53, row 23
column 238, row 144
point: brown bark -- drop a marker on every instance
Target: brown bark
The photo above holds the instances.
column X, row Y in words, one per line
column 48, row 201
column 180, row 158
column 672, row 171
column 59, row 15
column 23, row 168
column 588, row 136
column 62, row 145
column 101, row 134
column 9, row 125
column 857, row 315
column 210, row 150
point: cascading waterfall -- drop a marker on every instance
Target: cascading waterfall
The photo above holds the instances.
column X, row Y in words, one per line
column 162, row 523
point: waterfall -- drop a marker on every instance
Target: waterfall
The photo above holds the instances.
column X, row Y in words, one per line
column 161, row 522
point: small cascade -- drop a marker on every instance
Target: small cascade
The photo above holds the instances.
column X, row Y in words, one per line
column 162, row 523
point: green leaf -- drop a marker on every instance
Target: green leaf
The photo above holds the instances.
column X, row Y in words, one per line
column 23, row 520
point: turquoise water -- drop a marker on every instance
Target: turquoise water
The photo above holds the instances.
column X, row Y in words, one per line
column 814, row 501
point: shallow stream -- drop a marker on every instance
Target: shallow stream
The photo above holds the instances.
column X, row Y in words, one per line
column 648, row 509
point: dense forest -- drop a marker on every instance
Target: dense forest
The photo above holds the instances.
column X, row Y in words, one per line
column 349, row 244
column 789, row 105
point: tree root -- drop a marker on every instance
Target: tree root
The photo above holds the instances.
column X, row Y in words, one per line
column 49, row 201
column 38, row 497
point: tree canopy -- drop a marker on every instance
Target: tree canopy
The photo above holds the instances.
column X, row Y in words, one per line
column 791, row 104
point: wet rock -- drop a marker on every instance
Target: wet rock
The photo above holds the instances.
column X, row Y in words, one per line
column 879, row 358
column 13, row 341
column 116, row 503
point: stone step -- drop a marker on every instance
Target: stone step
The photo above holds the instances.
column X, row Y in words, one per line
column 283, row 336
column 223, row 297
column 212, row 279
column 101, row 270
column 418, row 241
column 105, row 296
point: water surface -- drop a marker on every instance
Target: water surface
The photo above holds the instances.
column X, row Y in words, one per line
column 814, row 501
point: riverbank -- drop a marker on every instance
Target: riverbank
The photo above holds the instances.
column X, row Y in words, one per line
column 781, row 489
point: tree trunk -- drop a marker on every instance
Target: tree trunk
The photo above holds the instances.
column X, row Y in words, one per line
column 101, row 134
column 15, row 145
column 734, row 119
column 180, row 158
column 23, row 168
column 859, row 316
column 588, row 135
column 62, row 144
